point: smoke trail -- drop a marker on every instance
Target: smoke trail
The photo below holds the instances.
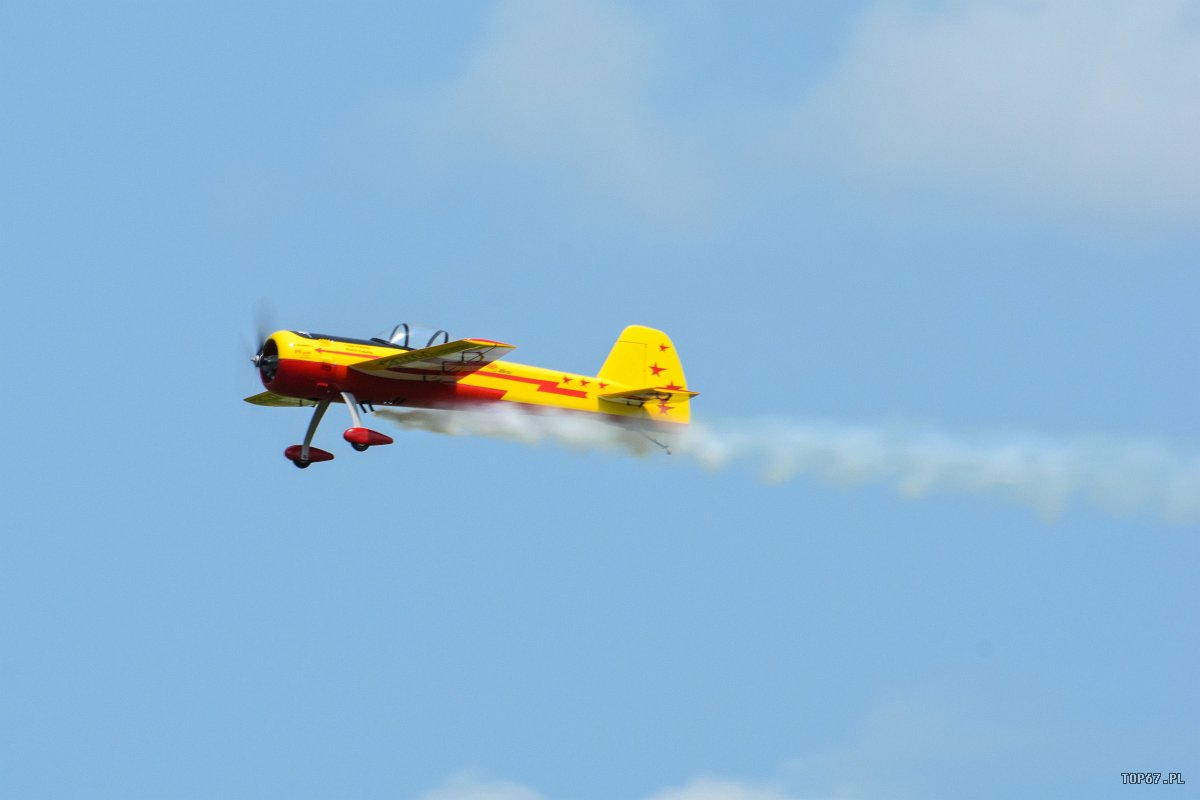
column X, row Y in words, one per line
column 1117, row 475
column 573, row 430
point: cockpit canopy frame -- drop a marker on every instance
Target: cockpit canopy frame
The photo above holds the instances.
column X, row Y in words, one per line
column 412, row 336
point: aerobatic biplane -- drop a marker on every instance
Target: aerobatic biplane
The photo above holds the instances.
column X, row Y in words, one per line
column 641, row 383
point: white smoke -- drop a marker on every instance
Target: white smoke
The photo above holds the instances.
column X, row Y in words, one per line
column 1117, row 475
column 576, row 431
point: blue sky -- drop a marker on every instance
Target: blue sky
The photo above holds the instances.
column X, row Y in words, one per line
column 977, row 218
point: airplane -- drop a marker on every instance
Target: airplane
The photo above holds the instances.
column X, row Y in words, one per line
column 641, row 383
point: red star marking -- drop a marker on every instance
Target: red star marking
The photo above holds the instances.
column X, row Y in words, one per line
column 655, row 368
column 672, row 387
column 664, row 347
column 566, row 379
column 584, row 381
column 603, row 384
column 663, row 408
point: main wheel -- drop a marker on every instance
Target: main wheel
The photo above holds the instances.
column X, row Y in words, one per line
column 301, row 463
column 359, row 447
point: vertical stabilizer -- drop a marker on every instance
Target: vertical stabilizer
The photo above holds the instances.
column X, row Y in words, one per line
column 646, row 358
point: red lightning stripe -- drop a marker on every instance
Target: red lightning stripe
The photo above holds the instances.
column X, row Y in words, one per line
column 543, row 386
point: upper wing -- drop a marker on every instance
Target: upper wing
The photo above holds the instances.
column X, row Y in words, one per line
column 278, row 400
column 443, row 362
column 638, row 397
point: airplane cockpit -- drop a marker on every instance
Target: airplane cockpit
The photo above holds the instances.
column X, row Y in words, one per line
column 412, row 336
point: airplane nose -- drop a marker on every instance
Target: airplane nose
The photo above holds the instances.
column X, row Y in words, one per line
column 267, row 361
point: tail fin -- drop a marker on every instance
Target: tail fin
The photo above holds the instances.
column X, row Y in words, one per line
column 645, row 358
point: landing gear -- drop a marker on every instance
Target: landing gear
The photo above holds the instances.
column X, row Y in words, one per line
column 304, row 454
column 294, row 454
column 360, row 438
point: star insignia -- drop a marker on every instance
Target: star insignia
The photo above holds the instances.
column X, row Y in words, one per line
column 664, row 347
column 566, row 379
column 663, row 408
column 655, row 368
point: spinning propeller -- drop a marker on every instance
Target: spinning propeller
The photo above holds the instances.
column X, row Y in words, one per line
column 266, row 360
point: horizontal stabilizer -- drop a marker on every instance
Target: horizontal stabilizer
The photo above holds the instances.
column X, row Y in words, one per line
column 443, row 362
column 638, row 397
column 278, row 400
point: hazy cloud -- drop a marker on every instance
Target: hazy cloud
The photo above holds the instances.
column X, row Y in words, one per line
column 937, row 738
column 1077, row 108
column 463, row 788
column 711, row 789
column 566, row 82
column 1077, row 105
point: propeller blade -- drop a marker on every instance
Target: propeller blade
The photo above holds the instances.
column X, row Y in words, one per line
column 264, row 321
column 264, row 326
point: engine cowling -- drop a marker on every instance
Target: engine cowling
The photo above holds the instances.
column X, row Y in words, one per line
column 267, row 361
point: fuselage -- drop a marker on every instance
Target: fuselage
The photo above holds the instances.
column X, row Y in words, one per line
column 316, row 367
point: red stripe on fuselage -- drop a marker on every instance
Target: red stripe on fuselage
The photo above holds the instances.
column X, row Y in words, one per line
column 322, row 380
column 551, row 387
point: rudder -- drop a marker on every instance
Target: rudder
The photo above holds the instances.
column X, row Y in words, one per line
column 646, row 357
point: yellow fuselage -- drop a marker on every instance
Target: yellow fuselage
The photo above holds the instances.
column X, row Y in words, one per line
column 319, row 369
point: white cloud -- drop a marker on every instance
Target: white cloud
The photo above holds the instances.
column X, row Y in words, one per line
column 465, row 788
column 566, row 82
column 1077, row 105
column 955, row 732
column 710, row 789
column 1074, row 108
column 462, row 787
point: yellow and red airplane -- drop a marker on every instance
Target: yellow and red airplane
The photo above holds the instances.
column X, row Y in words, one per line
column 641, row 383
